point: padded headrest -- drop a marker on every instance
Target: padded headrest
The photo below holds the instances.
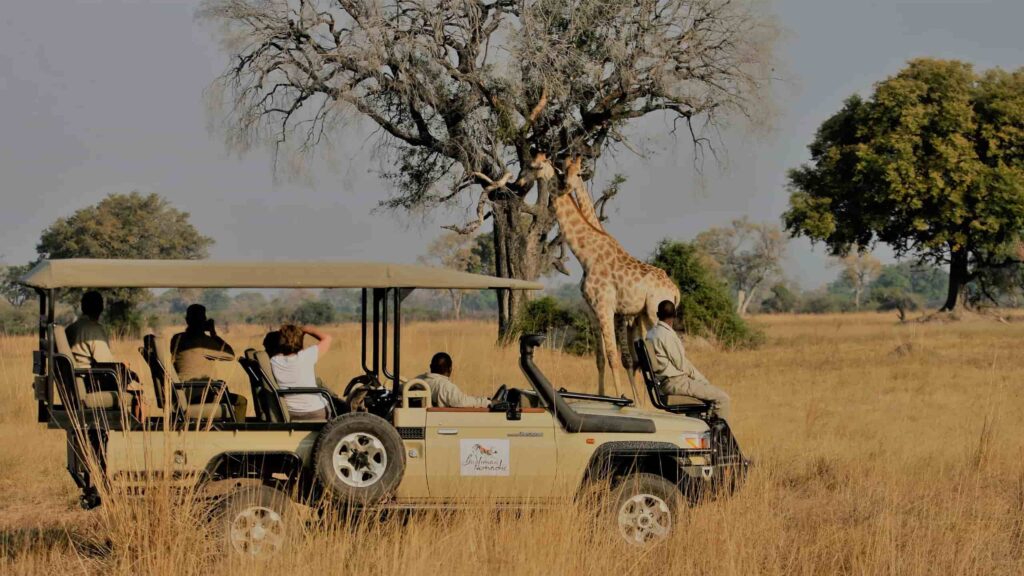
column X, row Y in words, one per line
column 60, row 341
column 163, row 354
column 263, row 359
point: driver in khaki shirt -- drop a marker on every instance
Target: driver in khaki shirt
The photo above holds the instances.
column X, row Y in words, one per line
column 677, row 375
column 443, row 392
column 86, row 336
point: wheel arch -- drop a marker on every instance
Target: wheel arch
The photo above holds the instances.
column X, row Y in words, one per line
column 614, row 460
column 270, row 467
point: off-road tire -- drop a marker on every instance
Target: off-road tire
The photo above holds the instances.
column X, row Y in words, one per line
column 645, row 508
column 256, row 521
column 359, row 459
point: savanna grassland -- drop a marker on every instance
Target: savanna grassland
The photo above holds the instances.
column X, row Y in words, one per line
column 880, row 448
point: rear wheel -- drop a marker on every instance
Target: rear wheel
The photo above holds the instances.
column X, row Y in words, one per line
column 645, row 508
column 359, row 459
column 256, row 521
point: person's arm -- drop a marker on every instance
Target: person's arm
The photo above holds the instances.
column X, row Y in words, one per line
column 323, row 339
column 224, row 346
column 450, row 395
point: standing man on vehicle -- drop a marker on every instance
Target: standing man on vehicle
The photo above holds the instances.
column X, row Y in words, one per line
column 443, row 392
column 197, row 350
column 677, row 375
column 86, row 336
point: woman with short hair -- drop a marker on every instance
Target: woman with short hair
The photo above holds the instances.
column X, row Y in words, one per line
column 294, row 367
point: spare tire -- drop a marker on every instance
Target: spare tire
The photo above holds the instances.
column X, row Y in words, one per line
column 359, row 459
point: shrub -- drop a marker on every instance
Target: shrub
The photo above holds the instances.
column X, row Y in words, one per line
column 567, row 325
column 825, row 302
column 781, row 300
column 17, row 320
column 705, row 305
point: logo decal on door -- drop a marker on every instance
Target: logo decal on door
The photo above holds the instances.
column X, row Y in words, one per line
column 483, row 457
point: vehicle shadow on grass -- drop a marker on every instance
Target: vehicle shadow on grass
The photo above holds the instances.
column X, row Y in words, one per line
column 15, row 542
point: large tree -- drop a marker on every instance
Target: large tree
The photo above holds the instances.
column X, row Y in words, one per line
column 124, row 226
column 466, row 93
column 747, row 254
column 931, row 164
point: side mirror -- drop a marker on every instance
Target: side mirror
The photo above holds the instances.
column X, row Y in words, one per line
column 514, row 400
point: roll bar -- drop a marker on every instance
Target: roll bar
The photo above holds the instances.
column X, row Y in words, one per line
column 571, row 420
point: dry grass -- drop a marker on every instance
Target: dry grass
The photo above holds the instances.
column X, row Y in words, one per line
column 880, row 449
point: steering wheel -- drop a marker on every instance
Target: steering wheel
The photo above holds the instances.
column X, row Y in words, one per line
column 364, row 380
column 500, row 394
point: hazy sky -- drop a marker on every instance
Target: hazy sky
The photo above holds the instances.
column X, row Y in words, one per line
column 105, row 97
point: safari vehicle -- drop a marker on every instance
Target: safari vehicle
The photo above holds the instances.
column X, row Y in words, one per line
column 386, row 446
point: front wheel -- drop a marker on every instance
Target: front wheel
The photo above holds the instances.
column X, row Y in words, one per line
column 645, row 508
column 256, row 521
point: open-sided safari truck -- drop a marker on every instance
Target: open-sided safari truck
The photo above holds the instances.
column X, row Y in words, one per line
column 390, row 448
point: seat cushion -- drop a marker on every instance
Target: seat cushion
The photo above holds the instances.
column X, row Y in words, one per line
column 103, row 399
column 683, row 401
column 206, row 411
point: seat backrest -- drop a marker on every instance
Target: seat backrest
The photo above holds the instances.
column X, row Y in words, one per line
column 646, row 358
column 69, row 387
column 161, row 385
column 170, row 375
column 265, row 385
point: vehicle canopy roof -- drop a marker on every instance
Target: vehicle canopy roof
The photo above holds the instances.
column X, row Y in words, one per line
column 96, row 273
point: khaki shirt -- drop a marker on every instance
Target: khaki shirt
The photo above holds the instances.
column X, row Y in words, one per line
column 195, row 355
column 89, row 342
column 670, row 354
column 445, row 394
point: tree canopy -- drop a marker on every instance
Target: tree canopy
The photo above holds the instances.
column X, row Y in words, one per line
column 747, row 255
column 124, row 226
column 931, row 164
column 466, row 93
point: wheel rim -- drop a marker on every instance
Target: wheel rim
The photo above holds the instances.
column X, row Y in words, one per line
column 257, row 531
column 360, row 459
column 644, row 518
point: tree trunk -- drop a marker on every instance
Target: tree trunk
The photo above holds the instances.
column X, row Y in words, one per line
column 517, row 254
column 741, row 301
column 456, row 303
column 856, row 296
column 959, row 276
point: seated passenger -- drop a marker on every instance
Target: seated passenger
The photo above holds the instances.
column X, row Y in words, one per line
column 90, row 345
column 443, row 392
column 196, row 350
column 294, row 366
column 678, row 375
column 86, row 336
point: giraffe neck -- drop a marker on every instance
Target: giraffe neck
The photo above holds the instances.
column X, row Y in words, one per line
column 588, row 242
column 586, row 205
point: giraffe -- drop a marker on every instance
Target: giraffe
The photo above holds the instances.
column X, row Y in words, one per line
column 613, row 281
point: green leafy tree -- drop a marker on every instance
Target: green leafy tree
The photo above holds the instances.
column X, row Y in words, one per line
column 931, row 164
column 124, row 226
column 705, row 305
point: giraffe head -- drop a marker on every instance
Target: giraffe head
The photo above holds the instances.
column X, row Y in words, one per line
column 542, row 167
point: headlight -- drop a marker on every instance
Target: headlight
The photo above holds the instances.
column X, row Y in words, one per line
column 696, row 440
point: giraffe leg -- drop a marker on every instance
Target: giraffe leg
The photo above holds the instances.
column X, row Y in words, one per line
column 606, row 322
column 600, row 358
column 634, row 332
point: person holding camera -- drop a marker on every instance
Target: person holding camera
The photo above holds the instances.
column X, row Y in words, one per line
column 197, row 350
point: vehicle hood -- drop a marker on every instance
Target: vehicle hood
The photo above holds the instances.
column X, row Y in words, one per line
column 663, row 421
